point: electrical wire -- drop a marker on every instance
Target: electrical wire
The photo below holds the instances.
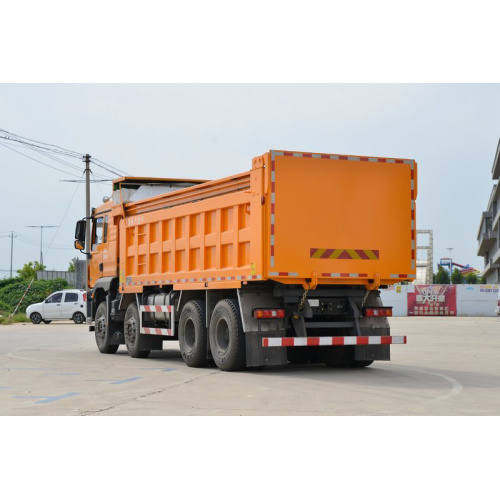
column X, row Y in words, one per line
column 62, row 220
column 38, row 161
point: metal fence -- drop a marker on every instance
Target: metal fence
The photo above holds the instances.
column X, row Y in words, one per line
column 74, row 279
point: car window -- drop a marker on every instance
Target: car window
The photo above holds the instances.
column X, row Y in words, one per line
column 71, row 297
column 54, row 299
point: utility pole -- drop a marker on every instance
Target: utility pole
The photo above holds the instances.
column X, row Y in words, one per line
column 11, row 250
column 451, row 263
column 41, row 241
column 87, row 232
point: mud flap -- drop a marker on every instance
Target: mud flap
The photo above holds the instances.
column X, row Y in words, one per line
column 264, row 356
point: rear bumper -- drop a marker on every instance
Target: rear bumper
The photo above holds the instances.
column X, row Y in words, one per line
column 331, row 341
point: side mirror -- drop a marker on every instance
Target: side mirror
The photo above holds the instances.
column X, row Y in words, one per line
column 81, row 226
column 78, row 245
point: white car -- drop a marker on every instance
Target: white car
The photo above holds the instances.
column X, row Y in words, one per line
column 497, row 309
column 66, row 304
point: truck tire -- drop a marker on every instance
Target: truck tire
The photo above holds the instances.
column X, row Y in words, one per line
column 227, row 339
column 102, row 331
column 361, row 364
column 300, row 355
column 338, row 356
column 131, row 333
column 36, row 318
column 193, row 334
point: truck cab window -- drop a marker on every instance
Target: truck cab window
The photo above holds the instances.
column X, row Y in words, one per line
column 105, row 236
column 98, row 232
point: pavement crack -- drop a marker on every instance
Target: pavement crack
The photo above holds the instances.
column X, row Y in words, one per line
column 152, row 393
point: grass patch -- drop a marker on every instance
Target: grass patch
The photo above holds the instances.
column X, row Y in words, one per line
column 17, row 318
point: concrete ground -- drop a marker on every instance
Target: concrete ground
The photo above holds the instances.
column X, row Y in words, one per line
column 449, row 367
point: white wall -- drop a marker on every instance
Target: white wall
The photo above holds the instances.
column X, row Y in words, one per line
column 477, row 300
column 472, row 300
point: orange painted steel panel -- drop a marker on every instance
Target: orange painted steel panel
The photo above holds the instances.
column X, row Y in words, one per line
column 359, row 211
column 329, row 219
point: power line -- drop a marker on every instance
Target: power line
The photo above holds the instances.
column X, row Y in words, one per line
column 38, row 161
column 62, row 220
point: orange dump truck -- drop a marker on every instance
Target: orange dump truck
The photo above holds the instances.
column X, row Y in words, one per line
column 279, row 264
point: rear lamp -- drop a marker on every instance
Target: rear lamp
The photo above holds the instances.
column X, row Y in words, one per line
column 85, row 297
column 378, row 312
column 268, row 313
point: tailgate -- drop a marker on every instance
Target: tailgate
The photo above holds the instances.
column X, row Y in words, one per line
column 341, row 219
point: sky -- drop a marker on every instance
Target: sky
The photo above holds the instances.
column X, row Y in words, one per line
column 214, row 130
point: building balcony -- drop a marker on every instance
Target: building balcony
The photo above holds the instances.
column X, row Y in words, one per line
column 486, row 240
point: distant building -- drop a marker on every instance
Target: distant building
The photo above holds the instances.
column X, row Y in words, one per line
column 425, row 265
column 489, row 230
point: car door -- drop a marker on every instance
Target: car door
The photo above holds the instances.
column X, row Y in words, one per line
column 69, row 304
column 52, row 306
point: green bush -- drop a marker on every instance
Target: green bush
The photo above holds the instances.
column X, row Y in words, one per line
column 11, row 294
column 9, row 281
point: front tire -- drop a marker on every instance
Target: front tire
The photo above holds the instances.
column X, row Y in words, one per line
column 227, row 339
column 79, row 318
column 102, row 330
column 193, row 334
column 132, row 334
column 36, row 318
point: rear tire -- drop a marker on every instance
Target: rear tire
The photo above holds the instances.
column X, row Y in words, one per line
column 338, row 356
column 361, row 364
column 36, row 318
column 193, row 334
column 300, row 355
column 102, row 330
column 227, row 339
column 131, row 333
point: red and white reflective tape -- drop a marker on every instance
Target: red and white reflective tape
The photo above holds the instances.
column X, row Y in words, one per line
column 331, row 341
column 158, row 331
column 157, row 309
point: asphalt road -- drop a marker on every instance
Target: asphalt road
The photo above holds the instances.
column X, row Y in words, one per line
column 449, row 367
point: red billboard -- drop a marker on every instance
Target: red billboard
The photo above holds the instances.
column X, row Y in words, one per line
column 432, row 300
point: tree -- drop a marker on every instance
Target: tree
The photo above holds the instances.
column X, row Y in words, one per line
column 471, row 279
column 29, row 270
column 442, row 276
column 456, row 277
column 72, row 264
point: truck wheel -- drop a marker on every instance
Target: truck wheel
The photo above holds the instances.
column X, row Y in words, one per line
column 227, row 339
column 101, row 331
column 300, row 355
column 36, row 318
column 193, row 334
column 361, row 364
column 131, row 333
column 337, row 357
column 79, row 318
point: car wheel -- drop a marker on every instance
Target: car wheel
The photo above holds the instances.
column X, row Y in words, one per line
column 78, row 318
column 36, row 318
column 47, row 321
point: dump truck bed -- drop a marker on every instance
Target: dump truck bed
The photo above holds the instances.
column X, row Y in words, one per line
column 296, row 218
